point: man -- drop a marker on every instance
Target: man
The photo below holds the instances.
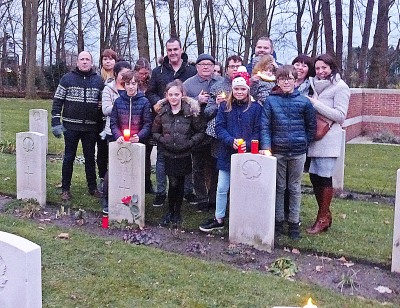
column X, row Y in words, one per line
column 198, row 87
column 264, row 46
column 174, row 66
column 77, row 102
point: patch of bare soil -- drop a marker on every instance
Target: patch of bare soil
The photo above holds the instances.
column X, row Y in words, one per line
column 349, row 277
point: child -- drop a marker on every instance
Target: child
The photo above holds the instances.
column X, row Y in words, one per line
column 237, row 118
column 177, row 128
column 288, row 126
column 263, row 77
column 131, row 110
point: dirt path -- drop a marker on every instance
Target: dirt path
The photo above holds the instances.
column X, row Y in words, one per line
column 322, row 270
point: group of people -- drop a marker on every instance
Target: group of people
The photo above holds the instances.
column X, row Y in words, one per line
column 198, row 117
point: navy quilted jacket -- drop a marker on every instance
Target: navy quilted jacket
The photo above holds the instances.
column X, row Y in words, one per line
column 288, row 123
column 238, row 123
column 141, row 117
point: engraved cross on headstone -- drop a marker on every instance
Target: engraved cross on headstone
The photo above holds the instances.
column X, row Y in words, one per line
column 28, row 174
column 123, row 188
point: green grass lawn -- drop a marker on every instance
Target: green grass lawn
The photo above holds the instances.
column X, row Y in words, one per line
column 91, row 271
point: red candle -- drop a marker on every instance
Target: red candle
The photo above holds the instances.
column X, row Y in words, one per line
column 104, row 222
column 241, row 149
column 254, row 146
column 127, row 134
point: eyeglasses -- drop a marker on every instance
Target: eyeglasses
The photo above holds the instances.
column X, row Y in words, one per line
column 234, row 66
column 205, row 64
column 283, row 79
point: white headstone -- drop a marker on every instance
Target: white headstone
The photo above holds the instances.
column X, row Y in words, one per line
column 20, row 272
column 126, row 178
column 252, row 200
column 31, row 166
column 396, row 230
column 38, row 122
column 338, row 173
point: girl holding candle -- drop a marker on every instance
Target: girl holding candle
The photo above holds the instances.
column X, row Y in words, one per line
column 177, row 128
column 331, row 100
column 237, row 118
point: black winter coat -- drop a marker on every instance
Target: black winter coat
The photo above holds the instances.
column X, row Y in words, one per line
column 164, row 74
column 177, row 133
column 140, row 112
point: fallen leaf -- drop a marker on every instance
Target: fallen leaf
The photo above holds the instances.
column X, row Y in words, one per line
column 387, row 222
column 342, row 259
column 319, row 268
column 64, row 236
column 6, row 179
column 325, row 258
column 40, row 228
column 342, row 216
column 295, row 251
column 348, row 264
column 286, row 249
column 383, row 289
column 108, row 243
column 355, row 211
column 119, row 261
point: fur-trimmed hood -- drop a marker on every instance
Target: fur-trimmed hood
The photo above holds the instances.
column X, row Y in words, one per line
column 189, row 105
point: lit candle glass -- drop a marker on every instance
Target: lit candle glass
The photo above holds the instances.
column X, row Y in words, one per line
column 240, row 146
column 127, row 134
column 310, row 304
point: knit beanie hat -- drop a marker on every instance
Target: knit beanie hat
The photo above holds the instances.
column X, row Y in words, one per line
column 242, row 72
column 240, row 81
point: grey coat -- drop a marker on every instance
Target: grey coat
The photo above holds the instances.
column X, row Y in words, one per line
column 109, row 95
column 332, row 103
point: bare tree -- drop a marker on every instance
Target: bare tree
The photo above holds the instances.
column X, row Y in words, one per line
column 349, row 61
column 141, row 29
column 301, row 4
column 365, row 39
column 339, row 33
column 326, row 15
column 81, row 42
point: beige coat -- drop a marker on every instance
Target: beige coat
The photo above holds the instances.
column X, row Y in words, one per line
column 332, row 103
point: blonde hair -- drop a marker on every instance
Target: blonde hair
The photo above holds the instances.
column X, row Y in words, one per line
column 266, row 62
column 229, row 101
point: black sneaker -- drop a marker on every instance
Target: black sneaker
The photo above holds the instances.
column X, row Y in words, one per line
column 148, row 187
column 191, row 198
column 294, row 231
column 159, row 200
column 211, row 225
column 177, row 220
column 167, row 219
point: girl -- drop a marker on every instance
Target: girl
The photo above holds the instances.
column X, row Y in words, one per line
column 237, row 118
column 177, row 128
column 263, row 77
column 108, row 59
column 331, row 100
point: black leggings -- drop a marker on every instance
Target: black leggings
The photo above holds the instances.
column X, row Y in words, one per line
column 175, row 193
column 319, row 181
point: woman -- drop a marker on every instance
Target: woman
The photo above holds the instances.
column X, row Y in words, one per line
column 305, row 68
column 232, row 133
column 331, row 101
column 108, row 60
column 177, row 128
column 218, row 69
column 143, row 71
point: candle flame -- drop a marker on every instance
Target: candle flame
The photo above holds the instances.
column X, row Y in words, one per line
column 223, row 95
column 310, row 304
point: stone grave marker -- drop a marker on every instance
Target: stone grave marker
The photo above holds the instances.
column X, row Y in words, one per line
column 31, row 166
column 252, row 200
column 20, row 272
column 396, row 230
column 338, row 173
column 126, row 178
column 38, row 122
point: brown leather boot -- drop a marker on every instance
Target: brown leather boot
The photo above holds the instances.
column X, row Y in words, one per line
column 324, row 218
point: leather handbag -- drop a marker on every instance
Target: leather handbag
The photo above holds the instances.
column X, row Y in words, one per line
column 323, row 127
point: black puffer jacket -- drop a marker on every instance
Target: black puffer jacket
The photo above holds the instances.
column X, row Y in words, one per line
column 164, row 74
column 177, row 133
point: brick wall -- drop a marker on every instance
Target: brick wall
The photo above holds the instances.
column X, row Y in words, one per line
column 371, row 111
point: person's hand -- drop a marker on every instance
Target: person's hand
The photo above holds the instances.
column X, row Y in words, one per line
column 255, row 77
column 134, row 138
column 120, row 139
column 58, row 130
column 220, row 98
column 157, row 106
column 313, row 100
column 265, row 152
column 236, row 144
column 203, row 97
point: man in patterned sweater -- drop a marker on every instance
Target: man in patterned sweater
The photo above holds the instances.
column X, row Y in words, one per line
column 75, row 113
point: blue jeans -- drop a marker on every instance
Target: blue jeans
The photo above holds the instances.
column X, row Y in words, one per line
column 71, row 140
column 224, row 181
column 292, row 167
column 162, row 179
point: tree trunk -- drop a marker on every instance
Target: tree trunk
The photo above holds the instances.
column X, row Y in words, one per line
column 378, row 73
column 141, row 29
column 349, row 62
column 81, row 43
column 326, row 16
column 31, row 37
column 365, row 39
column 259, row 20
column 339, row 33
column 172, row 23
column 300, row 11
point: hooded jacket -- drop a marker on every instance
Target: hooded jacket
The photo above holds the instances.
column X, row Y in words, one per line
column 177, row 133
column 288, row 123
column 137, row 108
column 77, row 100
column 164, row 74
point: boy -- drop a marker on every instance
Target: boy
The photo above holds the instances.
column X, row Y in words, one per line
column 288, row 124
